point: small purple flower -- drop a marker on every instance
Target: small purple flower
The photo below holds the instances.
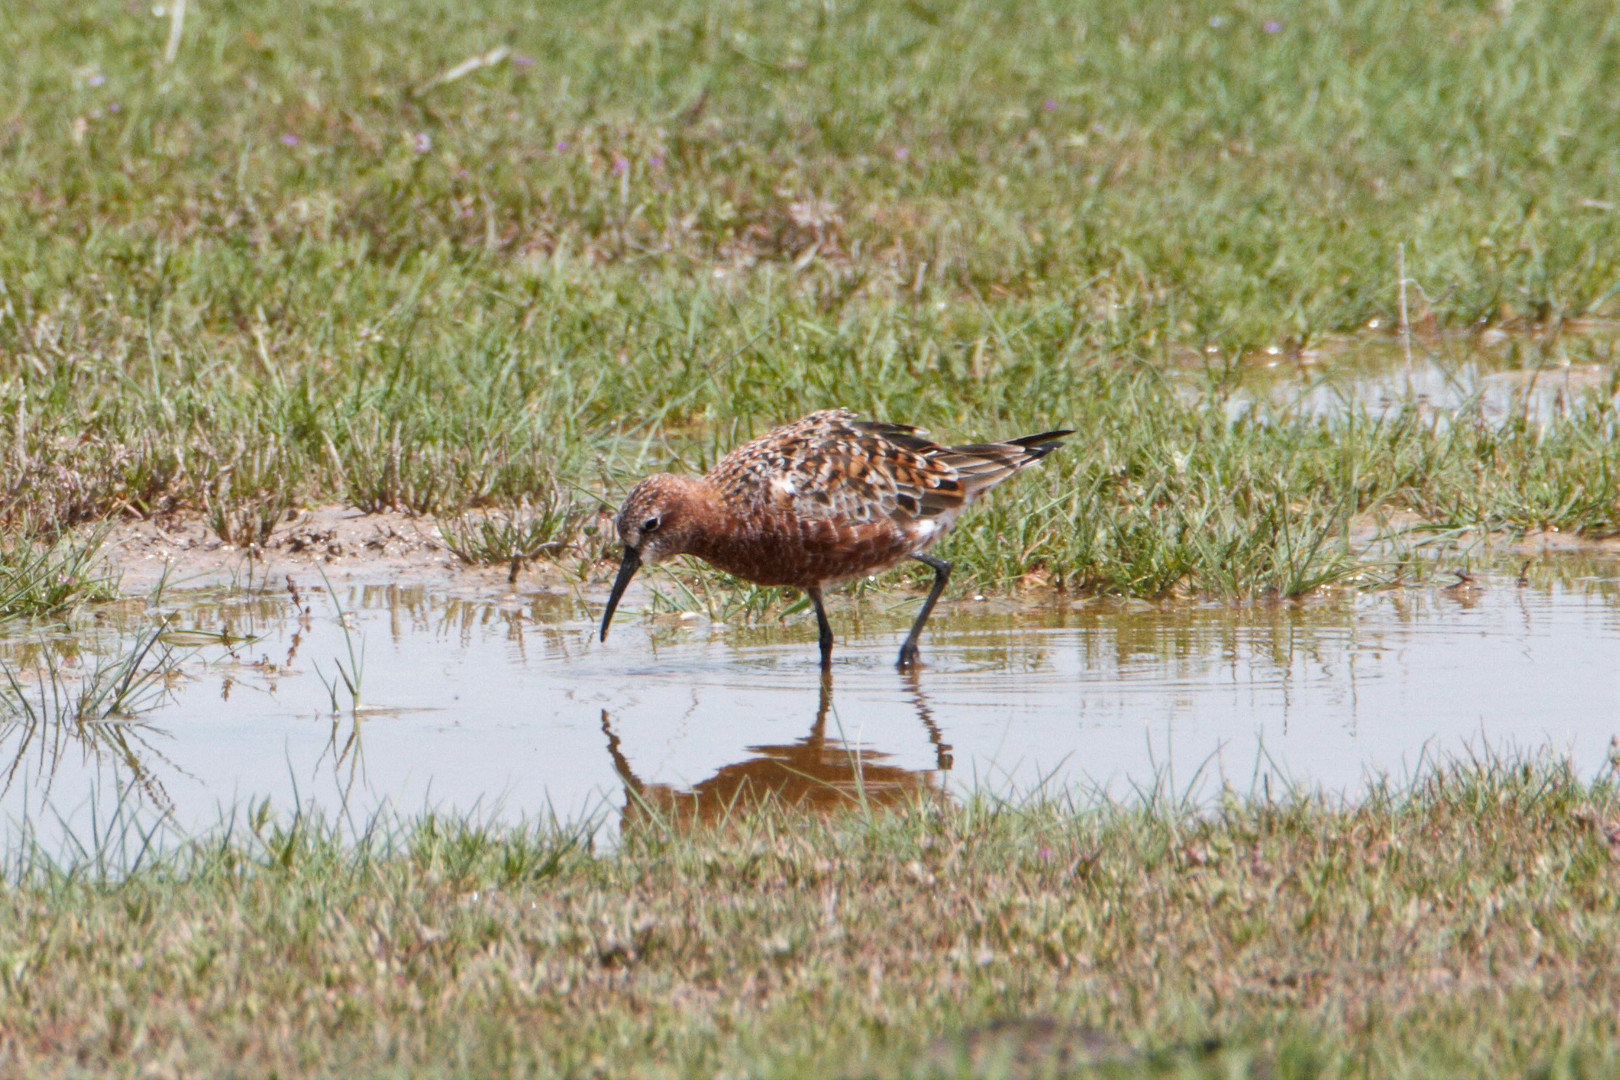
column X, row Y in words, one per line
column 620, row 166
column 656, row 161
column 1050, row 106
column 902, row 154
column 113, row 106
column 421, row 142
column 562, row 148
column 523, row 61
column 1045, row 854
column 289, row 140
column 1273, row 26
column 461, row 174
column 98, row 79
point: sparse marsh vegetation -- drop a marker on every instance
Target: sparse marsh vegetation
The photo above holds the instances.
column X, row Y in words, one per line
column 1463, row 925
column 513, row 537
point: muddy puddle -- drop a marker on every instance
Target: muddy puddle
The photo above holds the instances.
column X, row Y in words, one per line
column 1501, row 376
column 503, row 705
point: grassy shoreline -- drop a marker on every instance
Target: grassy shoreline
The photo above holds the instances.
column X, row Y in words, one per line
column 1463, row 924
column 299, row 265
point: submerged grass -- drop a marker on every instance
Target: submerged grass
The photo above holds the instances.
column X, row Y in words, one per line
column 323, row 258
column 55, row 709
column 1464, row 925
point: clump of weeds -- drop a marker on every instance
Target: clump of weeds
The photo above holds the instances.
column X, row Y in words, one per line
column 513, row 537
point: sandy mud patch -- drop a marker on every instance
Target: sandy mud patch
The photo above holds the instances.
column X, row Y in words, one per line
column 341, row 542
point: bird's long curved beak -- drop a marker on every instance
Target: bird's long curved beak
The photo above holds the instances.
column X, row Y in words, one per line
column 627, row 570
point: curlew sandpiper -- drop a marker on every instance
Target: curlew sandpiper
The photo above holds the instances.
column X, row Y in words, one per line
column 822, row 500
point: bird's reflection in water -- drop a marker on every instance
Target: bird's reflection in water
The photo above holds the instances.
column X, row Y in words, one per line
column 817, row 773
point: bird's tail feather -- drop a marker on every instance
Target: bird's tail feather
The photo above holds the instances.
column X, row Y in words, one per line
column 984, row 465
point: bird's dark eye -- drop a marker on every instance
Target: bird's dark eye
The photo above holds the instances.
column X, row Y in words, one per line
column 650, row 525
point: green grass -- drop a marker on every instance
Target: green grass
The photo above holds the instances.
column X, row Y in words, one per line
column 514, row 537
column 40, row 580
column 294, row 266
column 1463, row 926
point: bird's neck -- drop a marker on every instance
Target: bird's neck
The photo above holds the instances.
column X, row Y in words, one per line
column 717, row 532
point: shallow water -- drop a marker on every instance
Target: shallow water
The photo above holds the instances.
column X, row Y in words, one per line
column 1376, row 377
column 506, row 706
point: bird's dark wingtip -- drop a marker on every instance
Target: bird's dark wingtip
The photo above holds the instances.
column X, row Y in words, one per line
column 1038, row 446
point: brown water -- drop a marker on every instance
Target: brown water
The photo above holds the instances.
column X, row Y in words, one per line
column 506, row 705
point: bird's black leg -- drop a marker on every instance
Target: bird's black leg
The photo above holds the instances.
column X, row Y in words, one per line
column 826, row 639
column 942, row 574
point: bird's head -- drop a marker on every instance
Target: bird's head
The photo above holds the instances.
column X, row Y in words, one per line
column 656, row 522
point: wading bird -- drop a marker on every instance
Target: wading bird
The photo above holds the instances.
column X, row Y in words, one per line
column 825, row 499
